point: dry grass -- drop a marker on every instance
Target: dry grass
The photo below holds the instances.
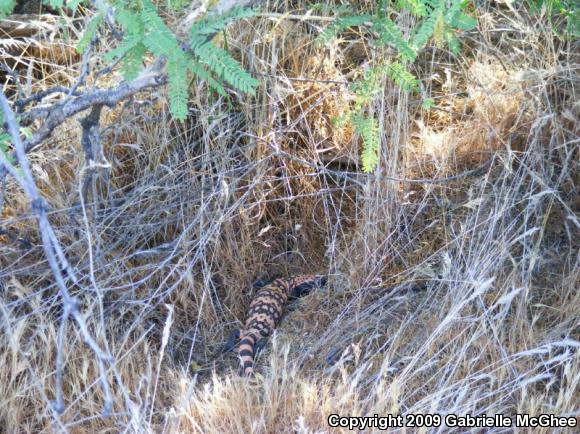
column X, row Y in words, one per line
column 190, row 215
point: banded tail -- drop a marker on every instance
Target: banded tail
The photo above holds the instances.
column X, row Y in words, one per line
column 266, row 311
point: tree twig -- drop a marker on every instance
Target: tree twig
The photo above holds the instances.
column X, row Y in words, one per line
column 84, row 66
column 21, row 103
column 54, row 255
column 12, row 74
column 56, row 115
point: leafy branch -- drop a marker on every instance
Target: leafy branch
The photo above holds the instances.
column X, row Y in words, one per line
column 437, row 20
column 143, row 33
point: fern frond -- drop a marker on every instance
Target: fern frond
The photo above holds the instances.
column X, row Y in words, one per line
column 198, row 40
column 370, row 84
column 427, row 27
column 158, row 38
column 464, row 22
column 453, row 42
column 150, row 16
column 6, row 7
column 416, row 7
column 202, row 31
column 126, row 45
column 221, row 63
column 389, row 33
column 132, row 48
column 199, row 70
column 457, row 19
column 162, row 44
column 92, row 28
column 4, row 136
column 178, row 88
column 130, row 21
column 145, row 31
column 428, row 103
column 341, row 24
column 368, row 129
column 439, row 35
column 177, row 4
column 403, row 78
column 4, row 142
column 213, row 24
column 133, row 61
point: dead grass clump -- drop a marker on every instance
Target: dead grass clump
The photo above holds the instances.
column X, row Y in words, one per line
column 313, row 96
column 489, row 115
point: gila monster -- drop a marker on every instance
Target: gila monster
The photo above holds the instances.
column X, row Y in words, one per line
column 265, row 313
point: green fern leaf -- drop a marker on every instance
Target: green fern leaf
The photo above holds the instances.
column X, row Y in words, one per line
column 389, row 33
column 428, row 103
column 162, row 44
column 464, row 22
column 403, row 78
column 132, row 48
column 453, row 42
column 130, row 21
column 4, row 136
column 427, row 27
column 221, row 63
column 214, row 24
column 5, row 141
column 198, row 70
column 202, row 31
column 370, row 84
column 133, row 61
column 92, row 28
column 439, row 34
column 341, row 24
column 127, row 44
column 6, row 7
column 455, row 17
column 368, row 129
column 416, row 7
column 339, row 121
column 573, row 26
column 177, row 4
column 158, row 38
column 178, row 88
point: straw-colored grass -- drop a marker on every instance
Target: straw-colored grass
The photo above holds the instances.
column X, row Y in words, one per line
column 190, row 215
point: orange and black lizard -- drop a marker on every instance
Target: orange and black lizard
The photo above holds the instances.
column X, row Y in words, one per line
column 265, row 313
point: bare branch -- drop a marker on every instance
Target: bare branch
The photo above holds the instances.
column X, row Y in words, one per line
column 21, row 103
column 90, row 126
column 56, row 115
column 14, row 76
column 54, row 254
column 59, row 401
column 84, row 66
